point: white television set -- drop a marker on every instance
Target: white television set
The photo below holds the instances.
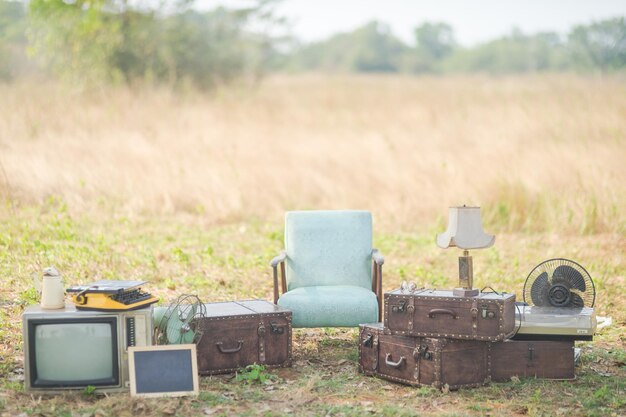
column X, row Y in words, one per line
column 68, row 349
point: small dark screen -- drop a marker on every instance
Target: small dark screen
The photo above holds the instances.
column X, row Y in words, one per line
column 163, row 371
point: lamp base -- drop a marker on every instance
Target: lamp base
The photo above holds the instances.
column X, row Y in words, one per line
column 465, row 292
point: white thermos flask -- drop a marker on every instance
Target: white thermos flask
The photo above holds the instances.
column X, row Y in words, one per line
column 52, row 291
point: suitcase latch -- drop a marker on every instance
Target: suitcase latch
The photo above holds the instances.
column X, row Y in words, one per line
column 275, row 328
column 261, row 330
column 531, row 351
column 422, row 352
column 486, row 313
column 399, row 308
column 369, row 340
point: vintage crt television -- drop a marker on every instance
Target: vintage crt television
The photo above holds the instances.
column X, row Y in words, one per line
column 69, row 349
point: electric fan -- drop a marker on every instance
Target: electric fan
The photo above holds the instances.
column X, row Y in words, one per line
column 559, row 283
column 178, row 323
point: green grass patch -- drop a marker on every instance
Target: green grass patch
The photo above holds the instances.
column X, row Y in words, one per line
column 229, row 262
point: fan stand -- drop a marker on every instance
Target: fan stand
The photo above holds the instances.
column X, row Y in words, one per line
column 466, row 277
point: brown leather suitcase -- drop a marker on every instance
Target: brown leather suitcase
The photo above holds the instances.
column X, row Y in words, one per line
column 423, row 361
column 535, row 359
column 436, row 313
column 240, row 333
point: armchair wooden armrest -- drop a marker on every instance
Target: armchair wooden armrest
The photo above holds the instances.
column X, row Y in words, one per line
column 279, row 260
column 377, row 279
column 378, row 257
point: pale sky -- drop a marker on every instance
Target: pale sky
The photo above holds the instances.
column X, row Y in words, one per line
column 473, row 21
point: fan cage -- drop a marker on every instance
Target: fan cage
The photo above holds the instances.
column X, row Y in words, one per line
column 184, row 304
column 549, row 267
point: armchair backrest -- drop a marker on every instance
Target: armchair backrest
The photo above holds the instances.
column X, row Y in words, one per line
column 328, row 248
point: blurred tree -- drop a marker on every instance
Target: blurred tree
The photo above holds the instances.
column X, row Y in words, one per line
column 206, row 47
column 76, row 39
column 375, row 49
column 434, row 43
column 515, row 53
column 369, row 48
column 115, row 41
column 599, row 45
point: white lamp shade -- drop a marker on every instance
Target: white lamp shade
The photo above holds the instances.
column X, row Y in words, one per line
column 465, row 230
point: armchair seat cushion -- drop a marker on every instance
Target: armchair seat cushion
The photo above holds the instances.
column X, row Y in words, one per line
column 331, row 306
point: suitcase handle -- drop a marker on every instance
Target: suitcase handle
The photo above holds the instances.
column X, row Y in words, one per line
column 230, row 350
column 396, row 365
column 436, row 311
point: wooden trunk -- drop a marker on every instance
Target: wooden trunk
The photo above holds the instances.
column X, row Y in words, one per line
column 240, row 333
column 535, row 359
column 423, row 361
column 437, row 313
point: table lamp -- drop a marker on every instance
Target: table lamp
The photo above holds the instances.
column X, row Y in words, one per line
column 465, row 231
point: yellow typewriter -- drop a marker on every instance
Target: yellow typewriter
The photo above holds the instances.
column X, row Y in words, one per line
column 111, row 296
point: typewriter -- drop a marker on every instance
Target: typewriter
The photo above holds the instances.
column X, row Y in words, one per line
column 110, row 295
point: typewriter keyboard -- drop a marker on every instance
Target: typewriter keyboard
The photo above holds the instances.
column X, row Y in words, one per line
column 130, row 297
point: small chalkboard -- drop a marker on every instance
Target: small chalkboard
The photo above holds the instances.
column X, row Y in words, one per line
column 163, row 371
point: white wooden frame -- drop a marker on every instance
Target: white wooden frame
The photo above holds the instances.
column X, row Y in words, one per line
column 133, row 378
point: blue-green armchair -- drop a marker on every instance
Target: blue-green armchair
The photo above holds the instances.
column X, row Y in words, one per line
column 330, row 274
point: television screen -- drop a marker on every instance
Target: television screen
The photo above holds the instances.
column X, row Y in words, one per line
column 74, row 352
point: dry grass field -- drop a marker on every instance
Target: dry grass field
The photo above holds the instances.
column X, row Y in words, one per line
column 188, row 190
column 537, row 152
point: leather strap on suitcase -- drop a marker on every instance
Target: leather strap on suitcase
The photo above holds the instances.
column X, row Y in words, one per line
column 420, row 353
column 261, row 333
column 474, row 311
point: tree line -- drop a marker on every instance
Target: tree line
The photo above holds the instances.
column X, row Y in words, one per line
column 94, row 42
column 116, row 41
column 599, row 46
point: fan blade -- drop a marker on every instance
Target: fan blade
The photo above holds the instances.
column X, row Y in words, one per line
column 539, row 290
column 174, row 328
column 157, row 316
column 576, row 301
column 572, row 278
column 187, row 337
